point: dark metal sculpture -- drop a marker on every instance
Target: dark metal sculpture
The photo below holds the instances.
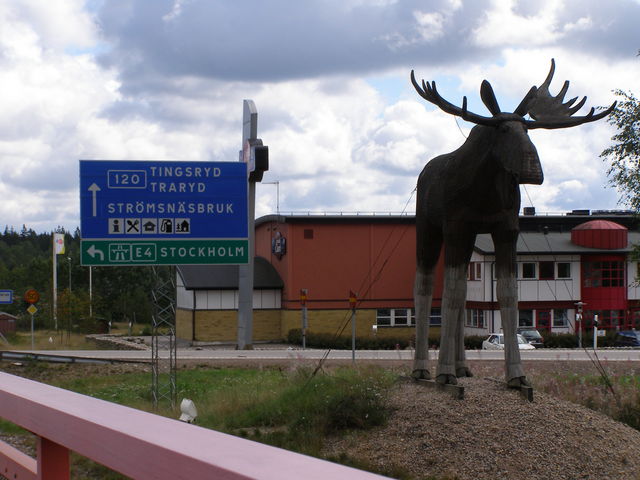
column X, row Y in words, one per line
column 475, row 189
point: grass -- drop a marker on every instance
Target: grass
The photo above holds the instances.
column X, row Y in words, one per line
column 289, row 409
column 45, row 339
column 616, row 393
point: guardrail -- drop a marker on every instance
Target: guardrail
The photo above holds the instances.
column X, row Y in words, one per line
column 138, row 444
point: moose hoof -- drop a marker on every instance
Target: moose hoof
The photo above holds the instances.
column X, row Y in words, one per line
column 518, row 382
column 463, row 372
column 421, row 374
column 446, row 379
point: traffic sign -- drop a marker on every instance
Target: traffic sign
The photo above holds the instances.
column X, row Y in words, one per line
column 6, row 296
column 32, row 309
column 31, row 296
column 163, row 212
column 168, row 252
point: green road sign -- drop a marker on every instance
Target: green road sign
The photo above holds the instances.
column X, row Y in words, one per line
column 164, row 252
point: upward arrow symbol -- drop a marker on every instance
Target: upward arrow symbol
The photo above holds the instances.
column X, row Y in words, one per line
column 94, row 189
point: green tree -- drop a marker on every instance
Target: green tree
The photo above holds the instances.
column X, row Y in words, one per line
column 624, row 154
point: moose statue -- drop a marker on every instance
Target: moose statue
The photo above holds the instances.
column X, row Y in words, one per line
column 475, row 189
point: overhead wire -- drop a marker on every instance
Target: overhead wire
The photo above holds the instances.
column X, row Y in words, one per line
column 368, row 281
column 596, row 363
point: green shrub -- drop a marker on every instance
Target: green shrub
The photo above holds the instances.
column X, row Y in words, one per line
column 343, row 342
column 560, row 340
column 473, row 342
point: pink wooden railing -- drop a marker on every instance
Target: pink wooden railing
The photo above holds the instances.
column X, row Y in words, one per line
column 138, row 444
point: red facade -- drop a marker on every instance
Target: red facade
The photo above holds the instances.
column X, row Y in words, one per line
column 329, row 256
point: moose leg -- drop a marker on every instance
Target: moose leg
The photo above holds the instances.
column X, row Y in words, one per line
column 422, row 294
column 458, row 248
column 429, row 244
column 461, row 362
column 507, row 292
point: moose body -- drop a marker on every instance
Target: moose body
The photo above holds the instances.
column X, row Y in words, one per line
column 475, row 189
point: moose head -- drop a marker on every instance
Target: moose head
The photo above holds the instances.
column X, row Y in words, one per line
column 509, row 134
column 472, row 190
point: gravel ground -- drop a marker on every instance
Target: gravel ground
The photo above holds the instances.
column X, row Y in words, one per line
column 495, row 434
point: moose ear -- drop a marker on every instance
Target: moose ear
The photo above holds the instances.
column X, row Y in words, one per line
column 489, row 98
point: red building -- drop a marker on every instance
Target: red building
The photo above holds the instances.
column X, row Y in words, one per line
column 562, row 260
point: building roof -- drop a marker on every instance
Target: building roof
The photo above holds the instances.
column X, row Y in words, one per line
column 528, row 223
column 600, row 225
column 225, row 277
column 550, row 243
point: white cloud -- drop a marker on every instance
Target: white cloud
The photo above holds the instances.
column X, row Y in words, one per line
column 504, row 26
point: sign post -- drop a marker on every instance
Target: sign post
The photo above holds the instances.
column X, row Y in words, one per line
column 255, row 157
column 353, row 299
column 303, row 300
column 32, row 296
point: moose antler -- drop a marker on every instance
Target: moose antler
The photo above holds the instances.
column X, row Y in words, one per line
column 548, row 111
column 429, row 92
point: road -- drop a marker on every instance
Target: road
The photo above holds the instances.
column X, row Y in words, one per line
column 191, row 354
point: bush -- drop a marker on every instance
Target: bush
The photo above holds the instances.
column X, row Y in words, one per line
column 328, row 340
column 473, row 342
column 560, row 340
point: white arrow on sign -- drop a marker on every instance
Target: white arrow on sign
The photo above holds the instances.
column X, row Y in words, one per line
column 93, row 251
column 94, row 189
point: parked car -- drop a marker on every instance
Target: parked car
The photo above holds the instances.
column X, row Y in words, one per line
column 532, row 336
column 627, row 338
column 496, row 342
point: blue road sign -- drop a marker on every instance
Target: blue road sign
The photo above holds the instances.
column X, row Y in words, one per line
column 6, row 296
column 162, row 201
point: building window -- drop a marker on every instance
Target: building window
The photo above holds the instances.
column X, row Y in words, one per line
column 546, row 270
column 475, row 318
column 560, row 318
column 395, row 317
column 604, row 274
column 475, row 271
column 435, row 319
column 564, row 270
column 525, row 318
column 529, row 270
column 401, row 317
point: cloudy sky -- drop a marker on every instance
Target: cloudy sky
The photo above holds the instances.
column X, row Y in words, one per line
column 165, row 80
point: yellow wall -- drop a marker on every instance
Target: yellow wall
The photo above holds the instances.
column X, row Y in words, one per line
column 184, row 325
column 222, row 325
column 274, row 325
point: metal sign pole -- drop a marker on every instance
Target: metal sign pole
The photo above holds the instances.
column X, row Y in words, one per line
column 245, row 277
column 352, row 301
column 303, row 300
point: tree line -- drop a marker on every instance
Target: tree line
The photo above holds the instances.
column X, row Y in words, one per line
column 117, row 293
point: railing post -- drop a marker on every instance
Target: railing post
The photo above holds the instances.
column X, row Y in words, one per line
column 53, row 460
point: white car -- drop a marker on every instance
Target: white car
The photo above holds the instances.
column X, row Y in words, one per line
column 496, row 342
